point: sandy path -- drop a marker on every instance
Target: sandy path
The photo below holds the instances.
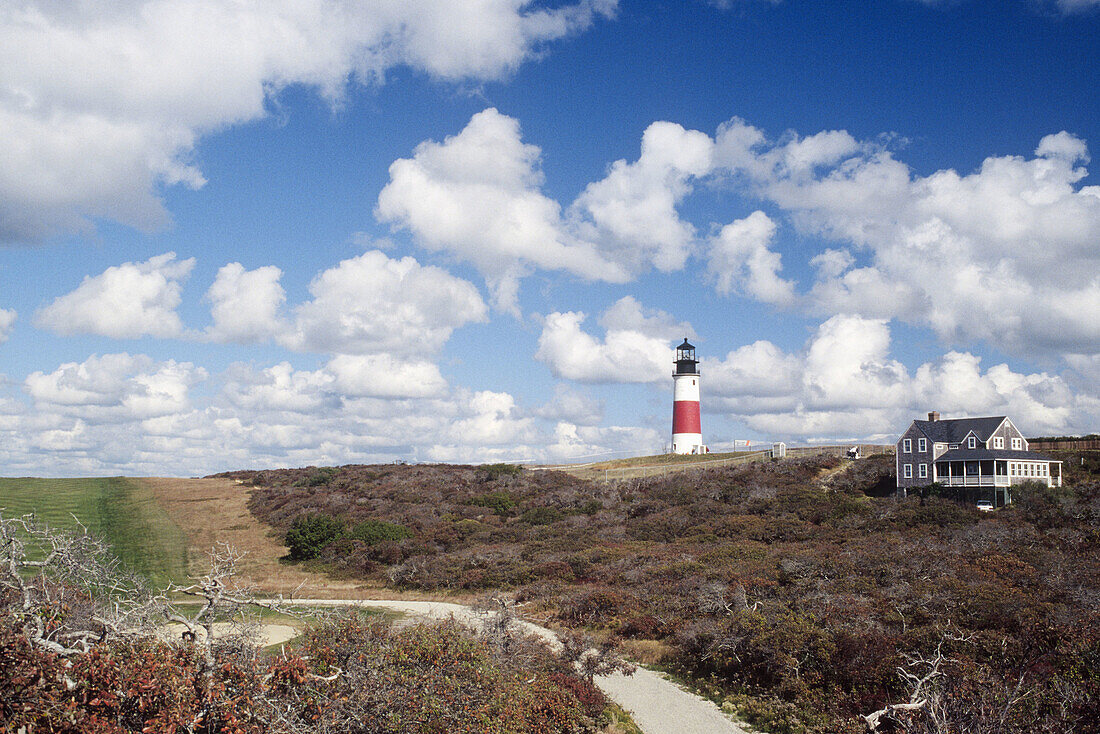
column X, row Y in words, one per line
column 657, row 705
column 269, row 634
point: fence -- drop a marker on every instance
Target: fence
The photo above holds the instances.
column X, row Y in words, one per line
column 652, row 470
column 1065, row 444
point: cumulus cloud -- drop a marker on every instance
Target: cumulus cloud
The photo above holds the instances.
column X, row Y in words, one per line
column 477, row 195
column 1077, row 6
column 375, row 304
column 7, row 322
column 115, row 387
column 636, row 345
column 1006, row 253
column 845, row 383
column 573, row 407
column 245, row 304
column 88, row 132
column 280, row 388
column 631, row 213
column 572, row 442
column 740, row 261
column 385, row 376
column 124, row 302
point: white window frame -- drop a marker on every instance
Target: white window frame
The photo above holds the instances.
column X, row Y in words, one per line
column 998, row 442
column 907, row 471
column 922, row 471
column 1017, row 444
column 907, row 446
column 922, row 445
column 971, row 442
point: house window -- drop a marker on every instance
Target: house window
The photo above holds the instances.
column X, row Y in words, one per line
column 971, row 443
column 908, row 471
column 1016, row 444
column 922, row 471
column 922, row 445
column 907, row 446
column 998, row 443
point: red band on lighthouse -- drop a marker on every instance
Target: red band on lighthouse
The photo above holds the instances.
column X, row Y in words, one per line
column 685, row 417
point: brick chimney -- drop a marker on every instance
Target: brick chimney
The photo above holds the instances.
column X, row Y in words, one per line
column 934, row 416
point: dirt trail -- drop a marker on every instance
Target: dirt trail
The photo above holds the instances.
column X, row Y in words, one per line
column 216, row 510
column 213, row 510
column 657, row 705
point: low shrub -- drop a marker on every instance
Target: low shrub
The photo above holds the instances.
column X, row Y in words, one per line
column 310, row 533
column 375, row 531
column 496, row 471
column 318, row 477
column 541, row 516
column 501, row 503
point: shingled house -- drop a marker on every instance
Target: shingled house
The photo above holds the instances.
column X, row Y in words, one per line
column 986, row 454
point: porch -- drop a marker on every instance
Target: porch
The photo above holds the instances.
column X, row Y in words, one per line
column 997, row 473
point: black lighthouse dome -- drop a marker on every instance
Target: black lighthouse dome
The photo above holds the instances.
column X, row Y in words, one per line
column 685, row 359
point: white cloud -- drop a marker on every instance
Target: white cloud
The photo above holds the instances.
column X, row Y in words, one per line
column 740, row 261
column 844, row 383
column 636, row 347
column 374, row 304
column 124, row 302
column 572, row 442
column 103, row 104
column 573, row 407
column 477, row 195
column 632, row 213
column 627, row 314
column 245, row 304
column 1077, row 6
column 385, row 376
column 1005, row 254
column 280, row 388
column 7, row 321
column 115, row 387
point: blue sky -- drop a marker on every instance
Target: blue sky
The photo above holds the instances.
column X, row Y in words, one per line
column 238, row 234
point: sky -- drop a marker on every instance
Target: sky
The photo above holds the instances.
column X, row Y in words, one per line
column 261, row 233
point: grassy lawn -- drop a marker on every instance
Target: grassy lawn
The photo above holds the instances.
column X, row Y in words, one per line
column 117, row 509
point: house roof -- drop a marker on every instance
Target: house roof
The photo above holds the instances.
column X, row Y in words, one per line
column 956, row 429
column 982, row 454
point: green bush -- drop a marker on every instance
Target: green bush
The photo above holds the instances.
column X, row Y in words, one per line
column 310, row 533
column 501, row 503
column 495, row 471
column 541, row 516
column 317, row 478
column 375, row 531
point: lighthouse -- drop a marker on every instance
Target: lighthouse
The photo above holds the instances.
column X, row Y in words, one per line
column 687, row 432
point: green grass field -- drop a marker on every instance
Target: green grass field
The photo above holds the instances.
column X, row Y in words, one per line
column 114, row 508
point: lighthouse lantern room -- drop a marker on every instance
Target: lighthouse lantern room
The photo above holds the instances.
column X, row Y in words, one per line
column 687, row 432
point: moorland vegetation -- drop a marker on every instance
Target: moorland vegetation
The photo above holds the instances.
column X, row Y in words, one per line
column 84, row 649
column 786, row 590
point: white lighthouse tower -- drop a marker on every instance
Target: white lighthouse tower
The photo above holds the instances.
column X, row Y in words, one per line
column 687, row 432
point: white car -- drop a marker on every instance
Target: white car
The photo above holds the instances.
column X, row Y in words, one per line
column 985, row 505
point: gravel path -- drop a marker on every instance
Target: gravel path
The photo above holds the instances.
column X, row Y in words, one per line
column 657, row 705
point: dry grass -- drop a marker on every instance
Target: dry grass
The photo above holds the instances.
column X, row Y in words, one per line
column 215, row 510
column 209, row 511
column 648, row 652
column 661, row 462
